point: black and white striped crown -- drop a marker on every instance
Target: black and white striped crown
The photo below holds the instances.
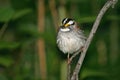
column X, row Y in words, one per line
column 68, row 21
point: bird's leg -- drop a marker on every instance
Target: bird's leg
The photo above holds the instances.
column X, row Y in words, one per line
column 76, row 53
column 68, row 58
column 82, row 49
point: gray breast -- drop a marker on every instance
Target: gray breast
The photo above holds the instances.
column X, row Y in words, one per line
column 70, row 42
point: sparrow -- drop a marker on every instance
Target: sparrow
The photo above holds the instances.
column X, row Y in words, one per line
column 70, row 38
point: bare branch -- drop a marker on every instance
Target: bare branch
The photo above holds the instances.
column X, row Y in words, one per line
column 68, row 67
column 107, row 5
column 68, row 71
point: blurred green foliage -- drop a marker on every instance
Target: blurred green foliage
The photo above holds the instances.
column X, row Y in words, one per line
column 19, row 33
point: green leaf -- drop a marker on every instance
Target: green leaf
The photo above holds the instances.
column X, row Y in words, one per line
column 92, row 73
column 8, row 45
column 28, row 29
column 113, row 17
column 6, row 61
column 87, row 19
column 3, row 77
column 6, row 14
column 21, row 13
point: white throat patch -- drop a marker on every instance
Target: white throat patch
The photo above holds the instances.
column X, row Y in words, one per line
column 65, row 29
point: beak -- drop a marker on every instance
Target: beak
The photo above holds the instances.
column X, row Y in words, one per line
column 66, row 25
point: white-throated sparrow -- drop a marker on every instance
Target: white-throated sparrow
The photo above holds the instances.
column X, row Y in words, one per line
column 70, row 37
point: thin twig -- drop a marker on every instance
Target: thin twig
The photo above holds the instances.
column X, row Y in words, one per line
column 74, row 55
column 3, row 29
column 68, row 71
column 107, row 5
column 68, row 67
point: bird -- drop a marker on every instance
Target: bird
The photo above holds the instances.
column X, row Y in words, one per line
column 70, row 38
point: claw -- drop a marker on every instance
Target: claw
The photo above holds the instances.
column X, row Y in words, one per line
column 82, row 49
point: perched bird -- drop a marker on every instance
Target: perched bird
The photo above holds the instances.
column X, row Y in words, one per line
column 70, row 37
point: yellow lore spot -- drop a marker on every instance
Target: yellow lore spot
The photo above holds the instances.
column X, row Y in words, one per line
column 66, row 25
